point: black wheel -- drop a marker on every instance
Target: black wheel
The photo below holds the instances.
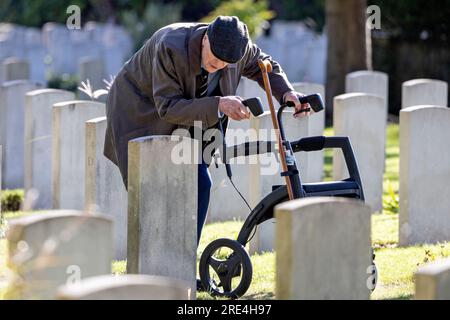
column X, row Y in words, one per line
column 373, row 272
column 225, row 269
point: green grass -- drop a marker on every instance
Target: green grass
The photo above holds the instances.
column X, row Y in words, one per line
column 396, row 265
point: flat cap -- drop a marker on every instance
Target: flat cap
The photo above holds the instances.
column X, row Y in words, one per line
column 228, row 38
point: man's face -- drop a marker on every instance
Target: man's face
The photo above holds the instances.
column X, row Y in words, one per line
column 210, row 62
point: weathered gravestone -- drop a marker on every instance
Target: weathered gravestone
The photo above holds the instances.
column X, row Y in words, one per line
column 50, row 249
column 126, row 287
column 362, row 117
column 68, row 151
column 265, row 170
column 14, row 68
column 12, row 105
column 424, row 175
column 105, row 191
column 323, row 249
column 162, row 207
column 424, row 92
column 38, row 142
column 433, row 281
column 371, row 82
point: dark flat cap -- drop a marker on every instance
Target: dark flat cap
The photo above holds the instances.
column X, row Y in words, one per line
column 228, row 38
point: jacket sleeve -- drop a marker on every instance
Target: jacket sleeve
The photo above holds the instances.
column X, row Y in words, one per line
column 170, row 100
column 278, row 79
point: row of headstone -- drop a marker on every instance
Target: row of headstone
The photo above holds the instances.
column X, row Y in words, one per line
column 57, row 49
column 25, row 44
column 289, row 42
column 67, row 254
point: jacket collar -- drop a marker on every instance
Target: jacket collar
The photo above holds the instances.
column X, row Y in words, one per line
column 195, row 49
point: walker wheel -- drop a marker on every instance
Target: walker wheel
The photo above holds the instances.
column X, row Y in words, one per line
column 225, row 269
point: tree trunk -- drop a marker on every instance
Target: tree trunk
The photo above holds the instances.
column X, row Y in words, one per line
column 349, row 47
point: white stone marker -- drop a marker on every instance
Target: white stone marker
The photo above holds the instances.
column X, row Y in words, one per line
column 105, row 191
column 15, row 69
column 424, row 175
column 362, row 117
column 323, row 249
column 12, row 105
column 126, row 287
column 38, row 142
column 433, row 281
column 162, row 207
column 424, row 92
column 265, row 172
column 68, row 151
column 58, row 247
column 371, row 82
column 92, row 69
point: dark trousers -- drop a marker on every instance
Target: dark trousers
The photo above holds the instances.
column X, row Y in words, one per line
column 204, row 191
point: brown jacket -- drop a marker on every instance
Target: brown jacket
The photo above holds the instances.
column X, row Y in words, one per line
column 154, row 92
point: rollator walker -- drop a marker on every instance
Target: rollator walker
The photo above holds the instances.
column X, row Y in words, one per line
column 230, row 274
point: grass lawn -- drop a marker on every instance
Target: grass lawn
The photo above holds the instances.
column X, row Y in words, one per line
column 396, row 265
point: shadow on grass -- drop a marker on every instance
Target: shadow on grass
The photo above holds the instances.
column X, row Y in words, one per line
column 259, row 296
column 399, row 297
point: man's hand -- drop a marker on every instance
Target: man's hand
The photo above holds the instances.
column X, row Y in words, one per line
column 232, row 106
column 292, row 96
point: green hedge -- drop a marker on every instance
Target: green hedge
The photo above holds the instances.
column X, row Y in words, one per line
column 11, row 200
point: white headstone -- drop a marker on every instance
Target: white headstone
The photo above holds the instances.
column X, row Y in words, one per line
column 162, row 208
column 38, row 142
column 362, row 118
column 105, row 191
column 12, row 106
column 424, row 92
column 424, row 175
column 433, row 281
column 371, row 82
column 92, row 69
column 15, row 69
column 68, row 151
column 323, row 249
column 126, row 287
column 50, row 249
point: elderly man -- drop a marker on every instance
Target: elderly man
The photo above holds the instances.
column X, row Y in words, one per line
column 186, row 72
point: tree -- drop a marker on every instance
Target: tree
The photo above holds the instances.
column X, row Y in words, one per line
column 349, row 47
